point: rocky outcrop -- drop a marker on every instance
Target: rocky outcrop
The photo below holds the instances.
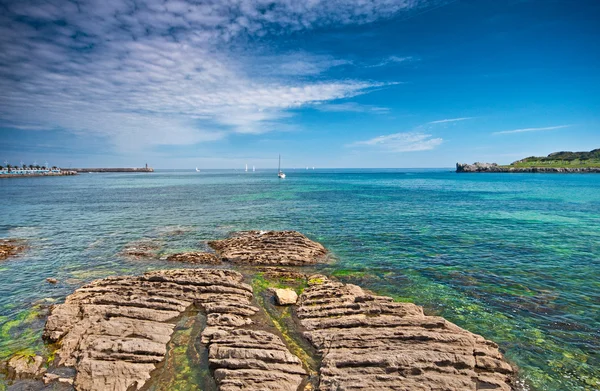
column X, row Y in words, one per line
column 493, row 167
column 11, row 247
column 269, row 248
column 370, row 342
column 21, row 367
column 115, row 331
column 195, row 257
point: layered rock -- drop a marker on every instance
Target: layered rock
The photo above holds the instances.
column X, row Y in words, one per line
column 269, row 248
column 11, row 247
column 195, row 257
column 370, row 342
column 115, row 331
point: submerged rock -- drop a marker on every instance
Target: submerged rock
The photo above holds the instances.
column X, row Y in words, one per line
column 115, row 331
column 370, row 342
column 51, row 280
column 269, row 248
column 141, row 249
column 11, row 247
column 195, row 257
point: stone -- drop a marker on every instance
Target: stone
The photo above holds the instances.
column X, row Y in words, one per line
column 280, row 248
column 11, row 247
column 370, row 342
column 195, row 257
column 285, row 296
column 50, row 377
column 21, row 367
column 51, row 280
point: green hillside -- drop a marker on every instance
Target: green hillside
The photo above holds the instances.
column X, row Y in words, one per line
column 562, row 159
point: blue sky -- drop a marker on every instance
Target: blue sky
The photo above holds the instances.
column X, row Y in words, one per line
column 326, row 83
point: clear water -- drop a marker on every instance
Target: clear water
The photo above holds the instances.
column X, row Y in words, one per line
column 514, row 257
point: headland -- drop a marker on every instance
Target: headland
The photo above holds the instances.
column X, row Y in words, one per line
column 557, row 162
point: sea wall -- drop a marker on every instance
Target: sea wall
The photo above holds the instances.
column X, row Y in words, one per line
column 493, row 167
column 62, row 173
column 141, row 169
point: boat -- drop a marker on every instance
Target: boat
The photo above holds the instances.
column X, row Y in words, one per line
column 197, row 169
column 280, row 173
column 253, row 168
column 246, row 167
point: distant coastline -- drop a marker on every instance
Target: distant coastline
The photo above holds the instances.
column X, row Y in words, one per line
column 141, row 169
column 557, row 162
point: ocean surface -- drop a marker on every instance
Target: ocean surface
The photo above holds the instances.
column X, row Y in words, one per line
column 513, row 257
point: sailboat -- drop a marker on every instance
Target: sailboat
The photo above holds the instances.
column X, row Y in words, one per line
column 246, row 167
column 197, row 169
column 280, row 173
column 253, row 168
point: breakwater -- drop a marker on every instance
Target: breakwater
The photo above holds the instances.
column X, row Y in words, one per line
column 493, row 167
column 141, row 169
column 27, row 175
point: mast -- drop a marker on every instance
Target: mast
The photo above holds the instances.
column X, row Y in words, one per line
column 279, row 170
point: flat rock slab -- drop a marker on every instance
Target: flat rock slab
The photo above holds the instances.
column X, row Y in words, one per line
column 370, row 342
column 115, row 331
column 195, row 257
column 281, row 248
column 11, row 247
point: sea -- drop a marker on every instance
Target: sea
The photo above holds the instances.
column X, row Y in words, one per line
column 513, row 257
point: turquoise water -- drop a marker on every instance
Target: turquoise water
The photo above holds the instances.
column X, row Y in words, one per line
column 514, row 257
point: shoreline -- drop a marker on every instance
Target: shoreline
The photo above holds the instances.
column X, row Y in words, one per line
column 168, row 326
column 494, row 168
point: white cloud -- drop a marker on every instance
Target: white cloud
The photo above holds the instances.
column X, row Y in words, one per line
column 150, row 72
column 443, row 121
column 403, row 142
column 351, row 107
column 392, row 60
column 532, row 129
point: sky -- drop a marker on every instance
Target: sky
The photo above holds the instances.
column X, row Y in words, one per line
column 325, row 83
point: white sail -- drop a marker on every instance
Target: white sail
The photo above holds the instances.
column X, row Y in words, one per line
column 246, row 167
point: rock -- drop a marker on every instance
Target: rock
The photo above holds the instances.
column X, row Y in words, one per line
column 195, row 257
column 21, row 367
column 52, row 280
column 269, row 248
column 11, row 247
column 251, row 360
column 285, row 296
column 50, row 377
column 115, row 331
column 281, row 273
column 141, row 249
column 370, row 342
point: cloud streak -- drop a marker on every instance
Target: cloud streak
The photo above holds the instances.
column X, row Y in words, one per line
column 532, row 129
column 443, row 121
column 149, row 72
column 403, row 142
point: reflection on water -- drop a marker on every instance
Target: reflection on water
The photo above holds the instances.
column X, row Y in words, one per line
column 515, row 258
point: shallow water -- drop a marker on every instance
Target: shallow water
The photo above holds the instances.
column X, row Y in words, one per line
column 514, row 257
